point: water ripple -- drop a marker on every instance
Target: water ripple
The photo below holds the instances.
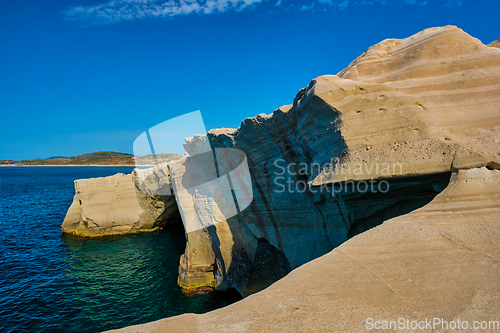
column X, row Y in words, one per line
column 50, row 282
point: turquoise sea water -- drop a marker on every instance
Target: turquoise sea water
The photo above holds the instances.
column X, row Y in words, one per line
column 50, row 282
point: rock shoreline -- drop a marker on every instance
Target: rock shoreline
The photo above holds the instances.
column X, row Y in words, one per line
column 428, row 104
column 439, row 261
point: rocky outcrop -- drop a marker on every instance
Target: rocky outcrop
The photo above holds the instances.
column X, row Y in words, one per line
column 440, row 261
column 425, row 105
column 375, row 141
column 113, row 205
column 495, row 44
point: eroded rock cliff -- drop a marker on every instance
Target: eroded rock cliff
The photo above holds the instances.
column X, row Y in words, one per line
column 401, row 117
column 440, row 261
column 425, row 105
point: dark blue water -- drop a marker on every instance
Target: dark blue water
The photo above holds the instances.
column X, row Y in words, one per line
column 50, row 282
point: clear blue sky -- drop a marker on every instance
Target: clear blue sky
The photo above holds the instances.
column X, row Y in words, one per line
column 79, row 76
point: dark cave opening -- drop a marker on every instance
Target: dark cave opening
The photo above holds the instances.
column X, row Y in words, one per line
column 404, row 195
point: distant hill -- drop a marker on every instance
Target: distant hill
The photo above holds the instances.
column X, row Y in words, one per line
column 54, row 157
column 98, row 158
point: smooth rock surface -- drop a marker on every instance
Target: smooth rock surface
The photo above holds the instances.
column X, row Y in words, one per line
column 424, row 105
column 430, row 102
column 440, row 261
column 113, row 205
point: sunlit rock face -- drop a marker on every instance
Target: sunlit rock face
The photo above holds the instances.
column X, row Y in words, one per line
column 422, row 106
column 398, row 119
column 439, row 261
column 114, row 205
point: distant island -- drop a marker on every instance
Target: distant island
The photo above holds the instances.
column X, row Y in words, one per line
column 101, row 158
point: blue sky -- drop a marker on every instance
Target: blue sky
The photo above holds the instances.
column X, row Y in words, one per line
column 80, row 76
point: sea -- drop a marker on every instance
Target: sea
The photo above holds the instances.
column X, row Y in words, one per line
column 53, row 282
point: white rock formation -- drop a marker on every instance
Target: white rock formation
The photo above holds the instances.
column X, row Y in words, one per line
column 407, row 111
column 113, row 205
column 440, row 261
column 425, row 105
